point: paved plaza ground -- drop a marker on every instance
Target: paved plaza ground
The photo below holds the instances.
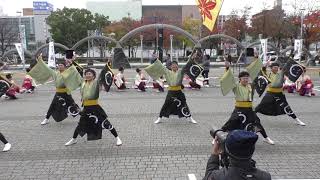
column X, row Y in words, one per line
column 169, row 150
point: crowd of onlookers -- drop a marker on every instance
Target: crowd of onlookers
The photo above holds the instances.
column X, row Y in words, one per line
column 303, row 86
column 28, row 85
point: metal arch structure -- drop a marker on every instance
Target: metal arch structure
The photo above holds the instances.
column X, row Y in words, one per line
column 221, row 36
column 7, row 53
column 86, row 39
column 47, row 45
column 269, row 44
column 292, row 48
column 132, row 33
column 311, row 60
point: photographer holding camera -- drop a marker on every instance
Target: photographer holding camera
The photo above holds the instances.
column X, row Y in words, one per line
column 236, row 150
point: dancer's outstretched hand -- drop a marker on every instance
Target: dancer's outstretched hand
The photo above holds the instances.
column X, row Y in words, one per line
column 39, row 57
column 216, row 150
column 197, row 56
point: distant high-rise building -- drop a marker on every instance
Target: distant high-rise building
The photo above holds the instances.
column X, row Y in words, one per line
column 41, row 11
column 12, row 25
column 162, row 14
column 278, row 4
column 27, row 11
column 190, row 11
column 1, row 11
column 116, row 10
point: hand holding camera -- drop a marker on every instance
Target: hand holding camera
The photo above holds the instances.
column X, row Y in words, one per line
column 216, row 150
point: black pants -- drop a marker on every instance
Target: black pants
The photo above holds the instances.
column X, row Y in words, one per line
column 32, row 88
column 52, row 108
column 274, row 104
column 161, row 89
column 142, row 86
column 92, row 121
column 175, row 104
column 259, row 128
column 11, row 96
column 245, row 119
column 3, row 139
column 156, row 85
column 76, row 132
column 194, row 85
column 205, row 74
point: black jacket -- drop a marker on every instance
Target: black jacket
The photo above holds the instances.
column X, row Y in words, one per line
column 238, row 170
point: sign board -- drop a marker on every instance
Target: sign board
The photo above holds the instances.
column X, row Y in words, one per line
column 42, row 6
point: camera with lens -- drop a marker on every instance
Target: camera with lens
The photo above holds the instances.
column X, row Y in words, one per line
column 221, row 136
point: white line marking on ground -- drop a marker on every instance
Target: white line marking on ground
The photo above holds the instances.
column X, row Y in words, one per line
column 192, row 177
column 49, row 82
column 317, row 88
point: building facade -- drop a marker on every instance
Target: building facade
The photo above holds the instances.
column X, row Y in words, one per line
column 162, row 14
column 27, row 11
column 278, row 4
column 41, row 11
column 190, row 11
column 11, row 24
column 116, row 10
column 1, row 11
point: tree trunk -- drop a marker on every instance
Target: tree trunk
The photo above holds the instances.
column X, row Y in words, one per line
column 101, row 50
column 129, row 48
column 132, row 52
column 135, row 52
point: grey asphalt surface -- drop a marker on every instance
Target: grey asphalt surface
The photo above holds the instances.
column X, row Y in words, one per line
column 169, row 150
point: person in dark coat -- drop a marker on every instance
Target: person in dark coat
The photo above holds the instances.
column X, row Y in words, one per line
column 168, row 61
column 239, row 146
column 206, row 68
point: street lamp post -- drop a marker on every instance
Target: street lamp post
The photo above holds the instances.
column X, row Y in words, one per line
column 88, row 52
column 301, row 29
column 141, row 44
column 171, row 48
column 301, row 32
column 21, row 41
column 157, row 36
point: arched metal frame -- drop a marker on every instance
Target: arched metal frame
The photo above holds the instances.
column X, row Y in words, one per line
column 282, row 52
column 222, row 36
column 132, row 33
column 47, row 45
column 12, row 51
column 86, row 39
column 157, row 26
column 269, row 45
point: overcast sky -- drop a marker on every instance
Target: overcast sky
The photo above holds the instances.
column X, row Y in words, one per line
column 10, row 7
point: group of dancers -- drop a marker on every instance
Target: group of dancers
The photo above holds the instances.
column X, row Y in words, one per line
column 93, row 119
column 273, row 103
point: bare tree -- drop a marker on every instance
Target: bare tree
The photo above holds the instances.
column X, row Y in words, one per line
column 8, row 35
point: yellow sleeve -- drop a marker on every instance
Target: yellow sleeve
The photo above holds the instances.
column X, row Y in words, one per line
column 41, row 72
column 227, row 82
column 72, row 78
column 156, row 70
column 254, row 68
